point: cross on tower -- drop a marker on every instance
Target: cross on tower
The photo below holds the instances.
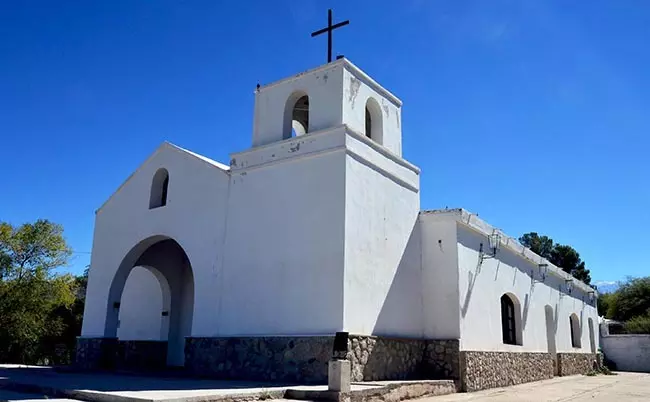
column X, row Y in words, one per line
column 329, row 30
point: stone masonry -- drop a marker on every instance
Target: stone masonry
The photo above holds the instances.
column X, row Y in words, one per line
column 293, row 359
column 304, row 359
column 483, row 370
column 95, row 353
column 142, row 355
column 576, row 363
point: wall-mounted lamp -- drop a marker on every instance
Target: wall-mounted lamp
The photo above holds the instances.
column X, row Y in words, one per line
column 494, row 243
column 543, row 271
column 569, row 285
column 592, row 295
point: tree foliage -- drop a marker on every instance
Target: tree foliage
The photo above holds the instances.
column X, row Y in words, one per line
column 35, row 303
column 631, row 300
column 562, row 256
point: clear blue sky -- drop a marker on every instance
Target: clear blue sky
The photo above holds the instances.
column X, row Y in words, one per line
column 534, row 114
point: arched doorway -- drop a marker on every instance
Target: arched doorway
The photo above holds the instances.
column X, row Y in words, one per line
column 550, row 335
column 169, row 263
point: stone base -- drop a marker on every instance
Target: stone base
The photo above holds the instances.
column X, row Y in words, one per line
column 95, row 353
column 110, row 353
column 483, row 370
column 286, row 358
column 142, row 355
column 304, row 359
column 576, row 363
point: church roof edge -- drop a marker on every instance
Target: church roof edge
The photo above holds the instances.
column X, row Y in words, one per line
column 472, row 221
column 169, row 145
column 350, row 67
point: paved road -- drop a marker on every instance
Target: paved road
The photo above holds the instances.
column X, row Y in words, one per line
column 624, row 387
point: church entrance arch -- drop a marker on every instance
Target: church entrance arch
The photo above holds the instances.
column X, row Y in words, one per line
column 550, row 335
column 169, row 263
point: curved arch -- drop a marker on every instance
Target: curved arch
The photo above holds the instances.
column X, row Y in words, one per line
column 374, row 121
column 511, row 319
column 171, row 265
column 159, row 185
column 296, row 115
column 574, row 329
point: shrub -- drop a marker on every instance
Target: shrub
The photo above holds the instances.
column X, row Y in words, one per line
column 638, row 325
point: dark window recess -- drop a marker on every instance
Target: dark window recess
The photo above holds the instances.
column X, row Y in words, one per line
column 508, row 320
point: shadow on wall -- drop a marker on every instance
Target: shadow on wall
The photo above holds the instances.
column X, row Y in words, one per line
column 402, row 310
column 522, row 269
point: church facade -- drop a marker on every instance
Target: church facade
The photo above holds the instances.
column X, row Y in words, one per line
column 250, row 270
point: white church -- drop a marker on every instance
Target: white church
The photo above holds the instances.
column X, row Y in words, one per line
column 251, row 269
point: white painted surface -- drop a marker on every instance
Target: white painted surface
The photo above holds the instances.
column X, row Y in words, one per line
column 482, row 287
column 629, row 352
column 338, row 93
column 440, row 279
column 382, row 245
column 141, row 308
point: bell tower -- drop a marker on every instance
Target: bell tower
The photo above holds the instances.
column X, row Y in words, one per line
column 332, row 95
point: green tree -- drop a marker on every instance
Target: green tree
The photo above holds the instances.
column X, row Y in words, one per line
column 565, row 257
column 31, row 293
column 631, row 300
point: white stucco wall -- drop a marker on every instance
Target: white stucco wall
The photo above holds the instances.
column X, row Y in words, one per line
column 628, row 352
column 382, row 244
column 481, row 288
column 141, row 308
column 284, row 260
column 440, row 278
column 357, row 89
column 323, row 86
column 125, row 220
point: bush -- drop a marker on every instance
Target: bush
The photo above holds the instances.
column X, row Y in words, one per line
column 638, row 325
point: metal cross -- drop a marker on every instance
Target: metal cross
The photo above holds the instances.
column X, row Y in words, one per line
column 329, row 30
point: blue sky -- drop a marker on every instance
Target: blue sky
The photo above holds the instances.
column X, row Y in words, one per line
column 534, row 114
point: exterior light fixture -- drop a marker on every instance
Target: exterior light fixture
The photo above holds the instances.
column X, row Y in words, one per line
column 569, row 285
column 543, row 271
column 494, row 243
column 592, row 295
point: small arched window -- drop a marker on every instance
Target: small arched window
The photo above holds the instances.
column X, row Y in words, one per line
column 574, row 325
column 374, row 124
column 159, row 184
column 296, row 115
column 510, row 320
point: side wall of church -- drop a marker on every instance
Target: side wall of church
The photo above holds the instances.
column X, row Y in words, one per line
column 194, row 217
column 482, row 285
column 382, row 244
column 283, row 268
column 440, row 278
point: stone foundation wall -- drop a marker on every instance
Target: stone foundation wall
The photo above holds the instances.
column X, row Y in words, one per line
column 142, row 355
column 482, row 370
column 95, row 353
column 576, row 363
column 379, row 358
column 291, row 359
column 442, row 359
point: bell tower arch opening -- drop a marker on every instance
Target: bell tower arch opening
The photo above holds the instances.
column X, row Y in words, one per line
column 296, row 115
column 374, row 127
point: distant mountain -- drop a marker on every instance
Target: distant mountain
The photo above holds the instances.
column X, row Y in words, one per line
column 606, row 286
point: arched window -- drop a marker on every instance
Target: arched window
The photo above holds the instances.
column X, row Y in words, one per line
column 574, row 325
column 296, row 115
column 374, row 124
column 510, row 320
column 159, row 184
